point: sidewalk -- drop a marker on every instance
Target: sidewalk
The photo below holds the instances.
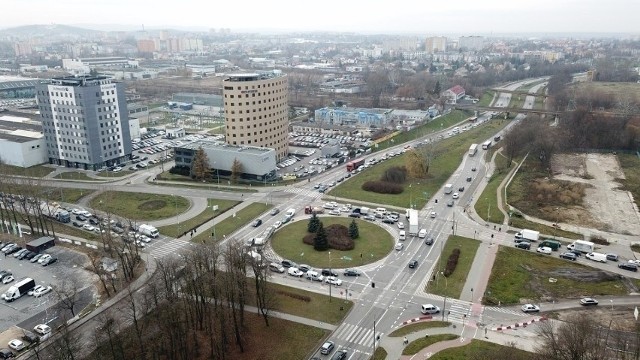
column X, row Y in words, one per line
column 294, row 318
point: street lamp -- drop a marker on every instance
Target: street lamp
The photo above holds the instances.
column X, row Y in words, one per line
column 446, row 286
column 330, row 275
column 472, row 295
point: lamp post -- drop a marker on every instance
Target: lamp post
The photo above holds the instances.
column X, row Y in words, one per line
column 472, row 295
column 446, row 286
column 330, row 275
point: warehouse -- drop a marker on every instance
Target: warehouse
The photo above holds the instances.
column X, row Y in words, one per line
column 41, row 244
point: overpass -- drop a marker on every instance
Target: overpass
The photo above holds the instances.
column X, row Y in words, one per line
column 520, row 92
column 503, row 109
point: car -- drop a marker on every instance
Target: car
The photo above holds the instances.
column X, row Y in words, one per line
column 304, row 267
column 37, row 287
column 399, row 246
column 274, row 211
column 277, row 224
column 19, row 252
column 35, row 258
column 370, row 218
column 329, row 272
column 612, row 257
column 569, row 256
column 42, row 291
column 275, row 267
column 24, row 255
column 30, row 337
column 433, row 215
column 42, row 329
column 429, row 241
column 628, row 266
column 527, row 308
column 455, row 195
column 450, row 203
column 523, row 245
column 351, row 272
column 52, row 259
column 6, row 354
column 77, row 224
column 81, row 218
column 356, row 215
column 334, row 212
column 587, row 301
column 388, row 221
column 8, row 279
column 413, row 264
column 288, row 263
column 88, row 227
column 332, row 280
column 461, row 189
column 340, row 355
column 327, row 348
column 31, row 255
column 257, row 223
column 16, row 344
column 144, row 238
column 544, row 250
column 473, row 168
column 469, row 179
column 400, row 225
column 293, row 271
column 14, row 249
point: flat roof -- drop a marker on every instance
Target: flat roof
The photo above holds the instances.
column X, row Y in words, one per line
column 219, row 145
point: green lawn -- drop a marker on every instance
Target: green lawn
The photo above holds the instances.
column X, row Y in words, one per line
column 432, row 126
column 74, row 175
column 448, row 154
column 519, row 274
column 631, row 167
column 373, row 244
column 140, row 206
column 67, row 195
column 486, row 98
column 379, row 354
column 452, row 286
column 231, row 224
column 415, row 327
column 486, row 205
column 479, row 349
column 34, row 171
column 416, row 345
column 206, row 215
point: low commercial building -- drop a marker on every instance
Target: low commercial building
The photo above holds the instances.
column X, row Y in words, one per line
column 454, row 94
column 41, row 244
column 22, row 143
column 257, row 163
column 353, row 116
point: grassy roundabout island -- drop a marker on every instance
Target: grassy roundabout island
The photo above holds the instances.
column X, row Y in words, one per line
column 373, row 243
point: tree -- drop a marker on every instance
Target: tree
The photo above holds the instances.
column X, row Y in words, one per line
column 579, row 337
column 314, row 224
column 417, row 164
column 320, row 242
column 437, row 88
column 67, row 294
column 353, row 230
column 200, row 165
column 236, row 170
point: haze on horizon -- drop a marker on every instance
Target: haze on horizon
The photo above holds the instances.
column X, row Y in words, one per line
column 365, row 16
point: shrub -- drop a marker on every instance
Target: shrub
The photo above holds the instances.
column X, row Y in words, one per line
column 395, row 174
column 452, row 262
column 382, row 187
column 180, row 170
column 304, row 298
column 597, row 239
column 337, row 235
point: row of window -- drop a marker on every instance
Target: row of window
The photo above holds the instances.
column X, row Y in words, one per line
column 253, row 87
column 239, row 96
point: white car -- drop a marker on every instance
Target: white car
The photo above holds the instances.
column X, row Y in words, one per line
column 399, row 246
column 44, row 258
column 455, row 195
column 8, row 279
column 43, row 291
column 333, row 280
column 334, row 212
column 16, row 344
column 544, row 250
column 42, row 329
column 88, row 227
column 38, row 287
column 433, row 215
column 144, row 238
column 400, row 225
column 293, row 271
column 277, row 224
column 85, row 213
column 530, row 308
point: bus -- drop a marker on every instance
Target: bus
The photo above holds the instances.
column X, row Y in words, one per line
column 473, row 149
column 486, row 145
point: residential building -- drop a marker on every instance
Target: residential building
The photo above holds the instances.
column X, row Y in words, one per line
column 471, row 42
column 256, row 111
column 436, row 44
column 85, row 121
column 454, row 94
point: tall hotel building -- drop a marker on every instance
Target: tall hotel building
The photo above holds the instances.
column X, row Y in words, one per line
column 85, row 121
column 256, row 111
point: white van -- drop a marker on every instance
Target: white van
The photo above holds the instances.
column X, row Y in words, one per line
column 381, row 211
column 402, row 236
column 430, row 309
column 597, row 257
column 422, row 234
column 313, row 275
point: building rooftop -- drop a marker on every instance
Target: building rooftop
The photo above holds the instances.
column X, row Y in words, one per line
column 213, row 144
column 79, row 80
column 363, row 110
column 253, row 76
column 19, row 127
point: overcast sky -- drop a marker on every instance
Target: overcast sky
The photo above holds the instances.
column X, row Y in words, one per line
column 366, row 16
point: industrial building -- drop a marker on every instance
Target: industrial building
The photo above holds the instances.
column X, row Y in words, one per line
column 21, row 140
column 358, row 117
column 198, row 99
column 84, row 65
column 257, row 163
column 85, row 121
column 256, row 111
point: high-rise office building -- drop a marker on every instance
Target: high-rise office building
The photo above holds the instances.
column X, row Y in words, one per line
column 256, row 111
column 85, row 121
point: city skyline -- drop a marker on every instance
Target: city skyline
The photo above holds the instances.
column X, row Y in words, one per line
column 405, row 16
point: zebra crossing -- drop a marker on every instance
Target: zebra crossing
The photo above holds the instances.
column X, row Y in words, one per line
column 167, row 246
column 354, row 334
column 457, row 312
column 506, row 311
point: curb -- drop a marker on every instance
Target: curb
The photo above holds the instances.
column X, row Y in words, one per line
column 517, row 325
column 417, row 319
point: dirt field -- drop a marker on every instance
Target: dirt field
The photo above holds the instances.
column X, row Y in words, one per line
column 604, row 206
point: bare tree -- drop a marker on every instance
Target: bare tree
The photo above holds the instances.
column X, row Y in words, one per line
column 579, row 337
column 67, row 294
column 265, row 297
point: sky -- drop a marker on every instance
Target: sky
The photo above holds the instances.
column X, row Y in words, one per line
column 361, row 16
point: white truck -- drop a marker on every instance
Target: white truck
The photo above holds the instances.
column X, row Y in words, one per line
column 19, row 289
column 448, row 188
column 148, row 230
column 584, row 247
column 364, row 210
column 413, row 222
column 528, row 235
column 473, row 149
column 598, row 257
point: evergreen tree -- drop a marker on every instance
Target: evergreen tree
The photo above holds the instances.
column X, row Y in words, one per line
column 353, row 230
column 314, row 223
column 437, row 88
column 320, row 242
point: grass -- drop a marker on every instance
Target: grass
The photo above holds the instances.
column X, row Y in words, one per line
column 34, row 171
column 519, row 274
column 447, row 156
column 67, row 195
column 619, row 90
column 415, row 327
column 489, row 199
column 517, row 101
column 479, row 349
column 140, row 206
column 372, row 245
column 468, row 248
column 635, row 247
column 204, row 216
column 432, row 126
column 486, row 98
column 379, row 354
column 416, row 345
column 74, row 231
column 229, row 225
column 549, row 231
column 630, row 165
column 74, row 175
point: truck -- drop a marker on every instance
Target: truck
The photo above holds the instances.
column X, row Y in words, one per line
column 553, row 244
column 528, row 235
column 448, row 188
column 473, row 149
column 313, row 210
column 19, row 289
column 486, row 145
column 413, row 222
column 148, row 230
column 353, row 165
column 584, row 247
column 55, row 211
column 361, row 210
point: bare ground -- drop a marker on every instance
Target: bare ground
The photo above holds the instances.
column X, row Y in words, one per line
column 604, row 206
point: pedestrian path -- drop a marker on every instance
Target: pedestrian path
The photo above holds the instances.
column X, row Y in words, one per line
column 354, row 334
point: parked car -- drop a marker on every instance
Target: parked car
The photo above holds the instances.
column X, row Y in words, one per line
column 288, row 263
column 42, row 329
column 275, row 267
column 304, row 267
column 527, row 308
column 16, row 344
column 49, row 261
column 42, row 291
column 612, row 257
column 8, row 279
column 587, row 301
column 523, row 245
column 36, row 288
column 329, row 272
column 293, row 271
column 6, row 354
column 43, row 258
column 36, row 258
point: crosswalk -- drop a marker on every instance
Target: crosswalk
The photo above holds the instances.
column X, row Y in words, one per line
column 164, row 247
column 354, row 334
column 457, row 312
column 506, row 311
column 306, row 192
